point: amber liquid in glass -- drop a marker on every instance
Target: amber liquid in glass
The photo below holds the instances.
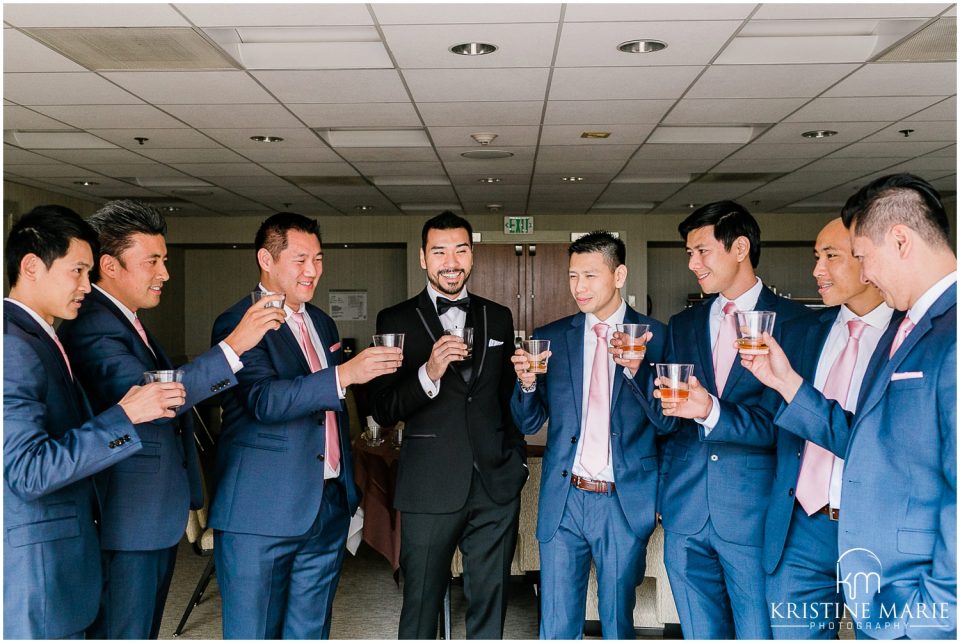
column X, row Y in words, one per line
column 634, row 351
column 752, row 346
column 674, row 394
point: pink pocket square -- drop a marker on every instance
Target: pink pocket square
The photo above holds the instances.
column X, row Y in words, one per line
column 335, row 347
column 910, row 375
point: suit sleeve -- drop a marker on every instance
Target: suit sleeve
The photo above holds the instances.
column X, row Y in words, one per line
column 659, row 350
column 34, row 462
column 817, row 419
column 398, row 395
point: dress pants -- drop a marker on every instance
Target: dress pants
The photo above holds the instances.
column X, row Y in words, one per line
column 718, row 586
column 487, row 536
column 593, row 527
column 276, row 587
column 802, row 591
column 135, row 587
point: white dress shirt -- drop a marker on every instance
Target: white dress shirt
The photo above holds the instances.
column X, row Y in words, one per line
column 927, row 299
column 876, row 321
column 453, row 318
column 590, row 340
column 37, row 318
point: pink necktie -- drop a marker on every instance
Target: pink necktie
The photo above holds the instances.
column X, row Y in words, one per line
column 140, row 329
column 596, row 444
column 330, row 421
column 905, row 327
column 56, row 340
column 813, row 483
column 725, row 351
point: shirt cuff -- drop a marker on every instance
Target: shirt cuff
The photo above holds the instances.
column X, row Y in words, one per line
column 232, row 358
column 430, row 387
column 710, row 422
column 341, row 392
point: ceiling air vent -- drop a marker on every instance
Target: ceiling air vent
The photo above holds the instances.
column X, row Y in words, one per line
column 121, row 48
column 935, row 42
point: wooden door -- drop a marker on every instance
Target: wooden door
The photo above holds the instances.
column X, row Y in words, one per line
column 548, row 284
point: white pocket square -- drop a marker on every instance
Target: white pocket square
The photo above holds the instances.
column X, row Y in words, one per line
column 494, row 342
column 910, row 375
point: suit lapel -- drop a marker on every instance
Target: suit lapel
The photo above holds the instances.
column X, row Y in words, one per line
column 701, row 331
column 872, row 377
column 816, row 337
column 575, row 355
column 429, row 317
column 290, row 345
column 477, row 318
column 143, row 352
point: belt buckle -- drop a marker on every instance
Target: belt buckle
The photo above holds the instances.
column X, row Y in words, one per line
column 833, row 514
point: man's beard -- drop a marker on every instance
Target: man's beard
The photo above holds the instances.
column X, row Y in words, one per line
column 439, row 287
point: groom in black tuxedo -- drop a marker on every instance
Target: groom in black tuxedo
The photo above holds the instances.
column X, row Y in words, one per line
column 462, row 462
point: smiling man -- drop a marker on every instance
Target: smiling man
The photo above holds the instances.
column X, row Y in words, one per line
column 462, row 461
column 599, row 485
column 147, row 498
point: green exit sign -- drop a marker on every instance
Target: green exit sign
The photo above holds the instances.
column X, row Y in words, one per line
column 517, row 225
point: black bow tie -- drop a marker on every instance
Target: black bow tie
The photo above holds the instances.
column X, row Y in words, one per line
column 444, row 304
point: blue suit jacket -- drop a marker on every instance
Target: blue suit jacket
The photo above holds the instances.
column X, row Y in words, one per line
column 725, row 476
column 146, row 498
column 899, row 498
column 270, row 459
column 559, row 397
column 51, row 447
column 803, row 341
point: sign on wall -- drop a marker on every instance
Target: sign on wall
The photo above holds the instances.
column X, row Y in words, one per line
column 517, row 225
column 348, row 305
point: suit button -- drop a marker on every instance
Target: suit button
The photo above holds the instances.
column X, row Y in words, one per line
column 798, row 454
column 714, row 457
column 790, row 493
column 112, row 445
column 564, row 474
column 127, row 438
column 573, row 440
column 470, row 399
column 320, row 457
column 184, row 464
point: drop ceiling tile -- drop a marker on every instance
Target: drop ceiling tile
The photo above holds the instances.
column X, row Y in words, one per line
column 93, row 15
column 473, row 180
column 578, row 167
column 16, row 117
column 656, row 166
column 453, row 154
column 888, row 108
column 707, row 192
column 568, row 112
column 731, row 110
column 406, row 168
column 507, row 135
column 760, row 165
column 589, row 83
column 600, row 12
column 493, row 193
column 796, row 11
column 792, row 132
column 716, row 151
column 51, row 169
column 88, row 157
column 335, row 86
column 511, row 207
column 929, row 167
column 273, row 154
column 23, row 53
column 619, row 134
column 239, row 139
column 264, row 194
column 278, row 15
column 465, row 13
column 933, row 131
column 947, row 152
column 310, row 169
column 943, row 111
column 497, row 167
column 445, row 85
column 64, row 89
column 466, row 113
column 819, row 180
column 220, row 155
column 414, row 193
column 16, row 156
column 356, row 114
column 899, row 79
column 638, row 192
column 141, row 170
column 767, row 81
column 902, row 148
column 267, row 181
column 158, row 138
column 233, row 116
column 585, row 152
column 105, row 185
column 354, row 154
column 191, row 87
column 780, row 151
column 594, row 44
column 107, row 116
column 427, row 46
column 945, row 184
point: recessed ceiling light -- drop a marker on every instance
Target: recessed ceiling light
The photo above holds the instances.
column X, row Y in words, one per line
column 819, row 133
column 571, row 179
column 266, row 139
column 489, row 179
column 486, row 155
column 691, row 205
column 365, row 208
column 171, row 208
column 595, row 135
column 642, row 46
column 473, row 49
column 86, row 183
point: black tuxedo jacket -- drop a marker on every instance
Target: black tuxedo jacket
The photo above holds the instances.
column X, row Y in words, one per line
column 467, row 425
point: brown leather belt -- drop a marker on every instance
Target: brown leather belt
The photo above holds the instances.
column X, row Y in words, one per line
column 834, row 514
column 596, row 486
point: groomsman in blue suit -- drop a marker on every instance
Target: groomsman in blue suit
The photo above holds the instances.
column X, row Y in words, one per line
column 599, row 485
column 898, row 514
column 718, row 465
column 147, row 497
column 832, row 352
column 52, row 443
column 285, row 489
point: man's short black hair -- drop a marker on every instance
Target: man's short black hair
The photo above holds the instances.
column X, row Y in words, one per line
column 614, row 251
column 445, row 221
column 272, row 234
column 116, row 223
column 46, row 231
column 730, row 220
column 898, row 199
